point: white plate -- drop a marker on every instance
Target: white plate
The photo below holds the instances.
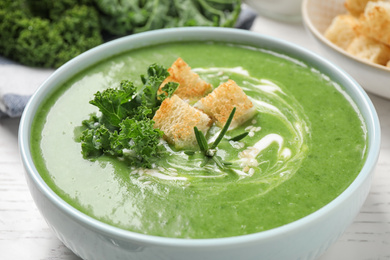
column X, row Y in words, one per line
column 317, row 16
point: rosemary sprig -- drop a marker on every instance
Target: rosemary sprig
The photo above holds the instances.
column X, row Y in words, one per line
column 210, row 152
column 201, row 139
column 224, row 129
column 239, row 137
column 218, row 162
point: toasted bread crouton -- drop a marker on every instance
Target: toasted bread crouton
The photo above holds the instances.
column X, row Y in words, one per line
column 220, row 103
column 356, row 7
column 375, row 21
column 369, row 49
column 341, row 31
column 177, row 119
column 191, row 86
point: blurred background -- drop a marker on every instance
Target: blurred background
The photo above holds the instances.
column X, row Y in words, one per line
column 36, row 37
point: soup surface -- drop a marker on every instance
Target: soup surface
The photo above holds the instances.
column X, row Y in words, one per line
column 306, row 144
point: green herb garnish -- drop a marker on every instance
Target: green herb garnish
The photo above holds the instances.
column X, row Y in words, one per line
column 210, row 153
column 239, row 137
column 125, row 123
column 224, row 129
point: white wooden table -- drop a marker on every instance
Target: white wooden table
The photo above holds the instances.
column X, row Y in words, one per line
column 25, row 235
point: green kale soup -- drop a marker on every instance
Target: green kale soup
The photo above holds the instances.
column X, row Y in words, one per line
column 306, row 144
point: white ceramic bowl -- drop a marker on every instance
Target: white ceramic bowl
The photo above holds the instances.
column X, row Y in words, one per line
column 305, row 238
column 317, row 16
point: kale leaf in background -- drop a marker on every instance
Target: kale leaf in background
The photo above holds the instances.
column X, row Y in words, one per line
column 48, row 33
column 37, row 37
column 120, row 18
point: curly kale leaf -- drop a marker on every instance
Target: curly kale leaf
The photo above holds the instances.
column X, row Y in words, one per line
column 131, row 101
column 48, row 33
column 92, row 122
column 168, row 90
column 141, row 139
column 155, row 76
column 34, row 36
column 119, row 18
column 113, row 103
column 97, row 141
column 51, row 10
column 137, row 136
column 125, row 123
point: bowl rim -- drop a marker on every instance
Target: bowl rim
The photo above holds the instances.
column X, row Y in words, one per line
column 29, row 112
column 307, row 21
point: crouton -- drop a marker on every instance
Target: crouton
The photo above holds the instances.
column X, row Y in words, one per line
column 356, row 7
column 177, row 119
column 191, row 86
column 369, row 49
column 341, row 31
column 375, row 21
column 220, row 103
